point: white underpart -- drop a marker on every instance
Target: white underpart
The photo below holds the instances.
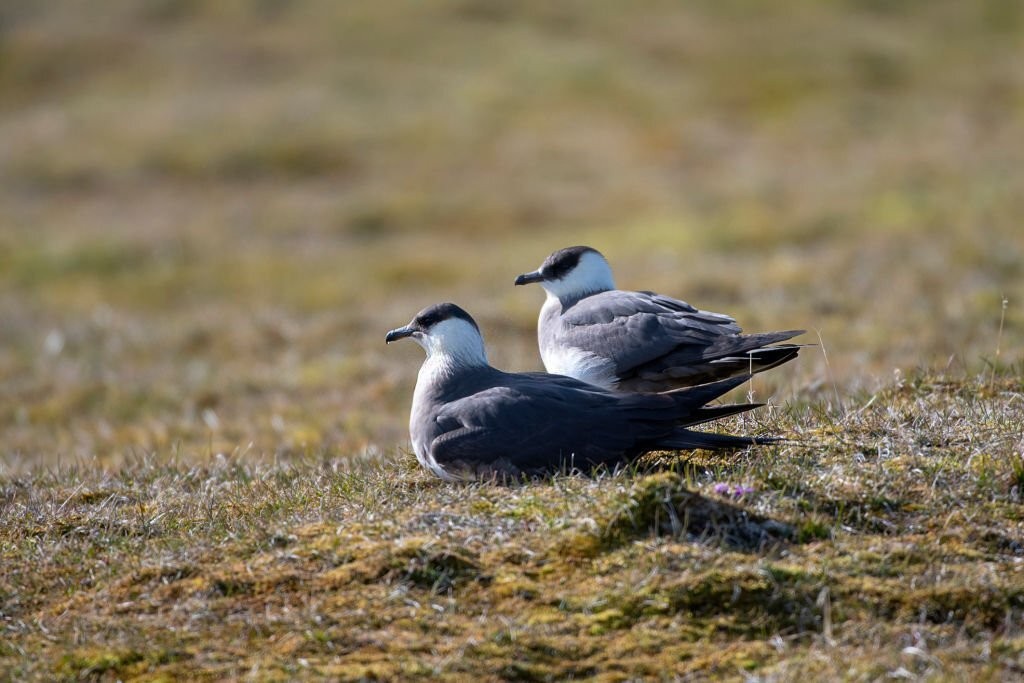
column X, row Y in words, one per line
column 583, row 365
column 591, row 274
column 426, row 460
column 450, row 344
column 575, row 362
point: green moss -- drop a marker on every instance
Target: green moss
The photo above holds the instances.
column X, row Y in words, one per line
column 96, row 664
column 662, row 505
column 440, row 570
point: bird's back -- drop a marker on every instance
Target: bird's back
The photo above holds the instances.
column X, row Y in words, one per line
column 496, row 422
column 642, row 341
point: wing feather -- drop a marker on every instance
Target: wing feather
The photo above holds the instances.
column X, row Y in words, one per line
column 635, row 328
column 538, row 421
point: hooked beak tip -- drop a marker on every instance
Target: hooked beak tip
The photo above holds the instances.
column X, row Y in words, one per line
column 396, row 334
column 527, row 278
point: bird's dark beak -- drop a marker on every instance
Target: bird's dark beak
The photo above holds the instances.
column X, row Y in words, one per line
column 527, row 278
column 399, row 333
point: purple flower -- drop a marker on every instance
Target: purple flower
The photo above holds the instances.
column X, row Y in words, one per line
column 732, row 490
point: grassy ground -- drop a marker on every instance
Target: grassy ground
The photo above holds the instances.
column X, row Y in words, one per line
column 213, row 212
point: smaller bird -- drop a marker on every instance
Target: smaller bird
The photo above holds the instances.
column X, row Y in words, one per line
column 472, row 420
column 638, row 341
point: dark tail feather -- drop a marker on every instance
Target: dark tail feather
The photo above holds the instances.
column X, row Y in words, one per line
column 766, row 338
column 741, row 345
column 702, row 415
column 690, row 398
column 686, row 439
column 762, row 359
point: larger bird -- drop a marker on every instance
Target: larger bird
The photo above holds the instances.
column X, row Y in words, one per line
column 638, row 341
column 469, row 419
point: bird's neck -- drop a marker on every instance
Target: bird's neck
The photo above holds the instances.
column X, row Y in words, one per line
column 442, row 365
column 560, row 301
column 568, row 293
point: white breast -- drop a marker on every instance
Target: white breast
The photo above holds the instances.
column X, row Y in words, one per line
column 583, row 365
column 432, row 370
column 562, row 359
column 426, row 460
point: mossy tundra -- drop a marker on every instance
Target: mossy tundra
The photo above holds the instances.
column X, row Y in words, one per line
column 212, row 213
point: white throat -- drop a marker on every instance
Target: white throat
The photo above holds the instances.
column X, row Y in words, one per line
column 592, row 274
column 450, row 345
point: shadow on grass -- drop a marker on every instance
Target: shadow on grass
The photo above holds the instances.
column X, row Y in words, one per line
column 661, row 505
column 658, row 503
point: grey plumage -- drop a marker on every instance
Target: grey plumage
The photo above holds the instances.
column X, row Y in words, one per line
column 639, row 341
column 470, row 419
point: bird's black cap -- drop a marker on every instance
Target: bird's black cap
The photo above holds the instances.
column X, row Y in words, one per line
column 557, row 265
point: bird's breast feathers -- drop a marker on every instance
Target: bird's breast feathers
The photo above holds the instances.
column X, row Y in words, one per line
column 583, row 365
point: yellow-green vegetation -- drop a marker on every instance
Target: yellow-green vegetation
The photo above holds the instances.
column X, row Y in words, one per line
column 886, row 542
column 212, row 212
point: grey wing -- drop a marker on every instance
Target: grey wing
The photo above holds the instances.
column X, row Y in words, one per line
column 537, row 425
column 634, row 328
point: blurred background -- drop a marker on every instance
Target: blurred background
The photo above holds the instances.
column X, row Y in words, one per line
column 211, row 212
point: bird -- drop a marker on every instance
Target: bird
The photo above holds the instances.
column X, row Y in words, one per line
column 638, row 341
column 470, row 420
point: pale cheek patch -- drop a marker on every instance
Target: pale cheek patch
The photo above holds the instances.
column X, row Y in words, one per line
column 591, row 274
